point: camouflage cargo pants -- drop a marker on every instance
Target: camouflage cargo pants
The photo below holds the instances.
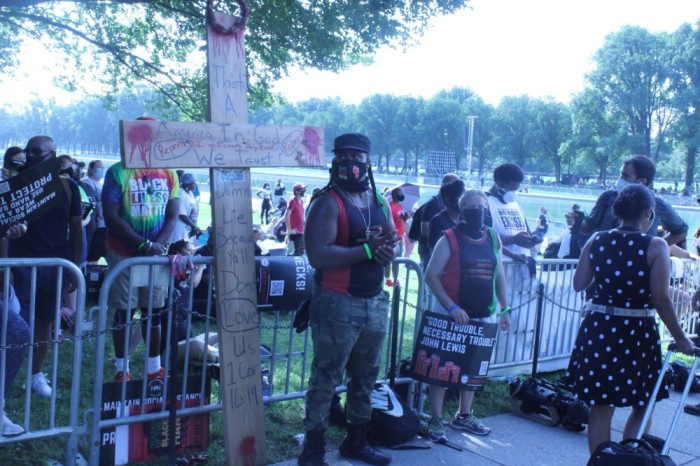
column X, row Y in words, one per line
column 347, row 333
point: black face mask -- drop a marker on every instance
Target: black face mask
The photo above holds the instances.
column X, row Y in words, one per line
column 472, row 220
column 66, row 171
column 350, row 175
column 33, row 161
column 400, row 198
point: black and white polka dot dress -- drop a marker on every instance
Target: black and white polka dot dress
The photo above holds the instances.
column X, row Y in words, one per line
column 616, row 359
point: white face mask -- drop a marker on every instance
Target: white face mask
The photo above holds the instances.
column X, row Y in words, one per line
column 510, row 196
column 621, row 184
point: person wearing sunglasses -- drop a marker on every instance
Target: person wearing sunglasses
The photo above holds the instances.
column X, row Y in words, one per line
column 40, row 241
column 13, row 162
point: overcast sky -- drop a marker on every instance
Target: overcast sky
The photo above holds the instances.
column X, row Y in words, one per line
column 496, row 47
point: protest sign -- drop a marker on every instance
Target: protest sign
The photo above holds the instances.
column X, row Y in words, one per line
column 29, row 194
column 450, row 355
column 146, row 441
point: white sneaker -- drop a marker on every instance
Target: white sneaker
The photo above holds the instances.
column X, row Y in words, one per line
column 9, row 428
column 40, row 384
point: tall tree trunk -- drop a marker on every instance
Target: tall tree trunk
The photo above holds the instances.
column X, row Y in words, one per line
column 415, row 164
column 690, row 154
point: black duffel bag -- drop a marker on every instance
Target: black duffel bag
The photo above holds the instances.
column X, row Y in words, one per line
column 629, row 452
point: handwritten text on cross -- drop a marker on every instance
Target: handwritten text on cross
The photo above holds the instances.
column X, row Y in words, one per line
column 156, row 144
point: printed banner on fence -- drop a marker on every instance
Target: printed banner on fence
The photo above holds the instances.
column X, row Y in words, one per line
column 29, row 194
column 148, row 440
column 450, row 355
column 283, row 282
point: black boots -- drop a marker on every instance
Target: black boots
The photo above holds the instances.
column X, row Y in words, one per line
column 314, row 449
column 356, row 445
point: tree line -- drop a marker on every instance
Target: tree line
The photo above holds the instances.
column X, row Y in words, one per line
column 642, row 97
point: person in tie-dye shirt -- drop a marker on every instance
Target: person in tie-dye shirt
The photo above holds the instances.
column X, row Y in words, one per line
column 140, row 208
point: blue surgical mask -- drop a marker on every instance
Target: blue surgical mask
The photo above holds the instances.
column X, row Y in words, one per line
column 100, row 172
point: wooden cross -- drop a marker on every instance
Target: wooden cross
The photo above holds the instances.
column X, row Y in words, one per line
column 228, row 142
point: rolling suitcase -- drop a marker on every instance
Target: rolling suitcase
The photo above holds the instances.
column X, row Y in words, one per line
column 638, row 451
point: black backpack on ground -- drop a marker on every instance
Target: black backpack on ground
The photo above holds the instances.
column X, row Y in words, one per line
column 629, row 452
column 393, row 422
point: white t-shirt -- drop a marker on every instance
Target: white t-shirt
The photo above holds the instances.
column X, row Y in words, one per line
column 191, row 204
column 508, row 220
column 188, row 204
column 565, row 245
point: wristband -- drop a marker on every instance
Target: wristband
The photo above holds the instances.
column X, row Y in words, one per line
column 145, row 246
column 452, row 308
column 368, row 251
column 506, row 310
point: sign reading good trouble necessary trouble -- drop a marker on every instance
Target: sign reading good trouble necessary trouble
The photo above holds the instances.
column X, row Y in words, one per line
column 450, row 355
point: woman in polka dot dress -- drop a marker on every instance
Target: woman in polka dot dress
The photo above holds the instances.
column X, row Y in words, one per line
column 617, row 356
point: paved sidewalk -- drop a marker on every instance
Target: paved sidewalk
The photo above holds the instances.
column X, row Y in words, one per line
column 515, row 441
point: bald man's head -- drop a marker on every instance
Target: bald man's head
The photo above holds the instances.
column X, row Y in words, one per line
column 449, row 178
column 38, row 149
column 44, row 142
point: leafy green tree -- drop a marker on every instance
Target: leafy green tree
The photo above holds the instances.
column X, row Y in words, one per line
column 483, row 132
column 411, row 128
column 333, row 116
column 159, row 42
column 685, row 86
column 378, row 116
column 598, row 134
column 551, row 127
column 444, row 120
column 631, row 76
column 475, row 106
column 511, row 125
column 9, row 129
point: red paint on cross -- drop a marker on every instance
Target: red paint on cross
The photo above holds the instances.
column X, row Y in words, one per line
column 140, row 137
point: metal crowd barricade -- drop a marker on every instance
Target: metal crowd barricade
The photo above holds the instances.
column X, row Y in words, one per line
column 514, row 349
column 286, row 354
column 562, row 314
column 409, row 314
column 146, row 272
column 685, row 295
column 38, row 421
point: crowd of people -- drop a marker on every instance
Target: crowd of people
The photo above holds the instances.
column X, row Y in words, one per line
column 351, row 235
column 107, row 215
column 624, row 267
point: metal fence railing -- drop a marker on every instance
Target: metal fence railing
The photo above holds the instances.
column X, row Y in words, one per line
column 285, row 354
column 44, row 418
